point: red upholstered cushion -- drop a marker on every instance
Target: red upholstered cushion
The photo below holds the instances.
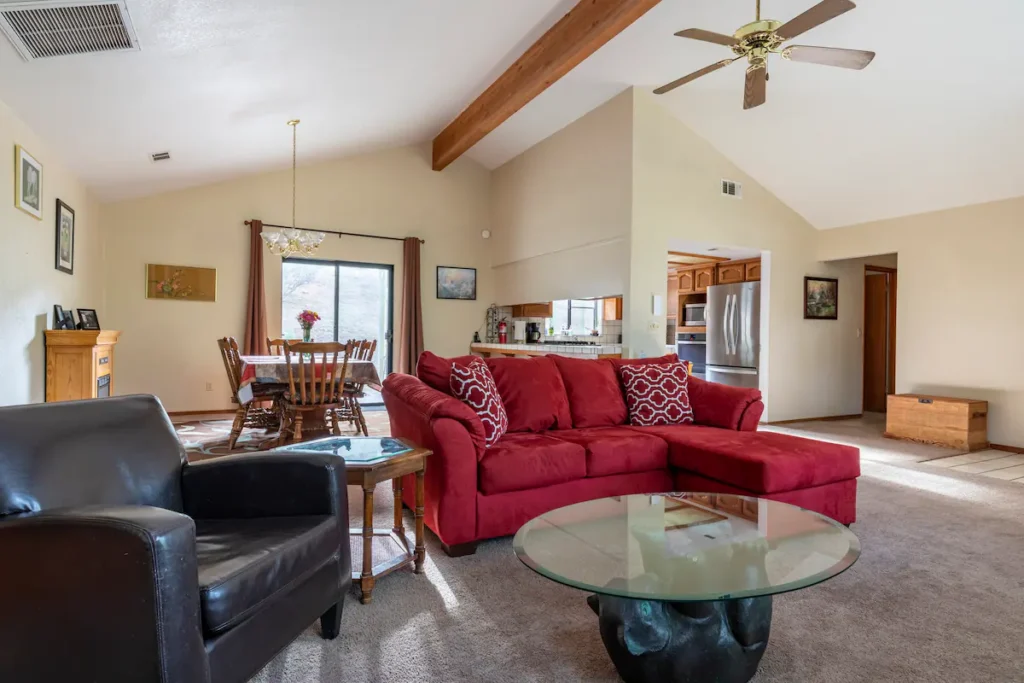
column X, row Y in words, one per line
column 475, row 387
column 660, row 360
column 533, row 393
column 760, row 462
column 719, row 405
column 595, row 397
column 436, row 372
column 528, row 461
column 617, row 450
column 656, row 394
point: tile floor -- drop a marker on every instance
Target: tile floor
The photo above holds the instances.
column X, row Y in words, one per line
column 995, row 464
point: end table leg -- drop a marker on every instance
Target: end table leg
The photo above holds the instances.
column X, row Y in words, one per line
column 366, row 578
column 421, row 550
column 399, row 527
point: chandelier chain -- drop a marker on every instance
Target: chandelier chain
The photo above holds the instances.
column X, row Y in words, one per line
column 758, row 10
column 295, row 137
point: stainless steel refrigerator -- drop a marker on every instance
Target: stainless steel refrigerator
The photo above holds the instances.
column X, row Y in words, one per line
column 734, row 334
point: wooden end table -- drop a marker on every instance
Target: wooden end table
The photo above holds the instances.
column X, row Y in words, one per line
column 368, row 462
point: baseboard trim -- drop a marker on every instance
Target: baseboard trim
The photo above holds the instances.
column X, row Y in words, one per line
column 183, row 413
column 1008, row 449
column 827, row 418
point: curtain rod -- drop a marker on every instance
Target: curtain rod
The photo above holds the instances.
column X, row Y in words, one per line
column 337, row 232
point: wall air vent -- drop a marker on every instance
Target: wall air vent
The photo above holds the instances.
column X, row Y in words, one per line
column 732, row 189
column 48, row 28
column 161, row 156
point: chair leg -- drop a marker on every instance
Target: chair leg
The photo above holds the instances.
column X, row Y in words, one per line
column 297, row 432
column 335, row 427
column 236, row 426
column 359, row 414
column 330, row 621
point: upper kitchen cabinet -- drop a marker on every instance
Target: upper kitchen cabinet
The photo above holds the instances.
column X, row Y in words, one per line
column 703, row 278
column 672, row 296
column 753, row 271
column 613, row 308
column 532, row 310
column 731, row 272
column 686, row 285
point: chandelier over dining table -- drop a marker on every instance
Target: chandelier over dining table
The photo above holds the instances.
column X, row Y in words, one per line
column 293, row 241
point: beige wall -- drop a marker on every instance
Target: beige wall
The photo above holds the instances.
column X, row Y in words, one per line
column 561, row 211
column 810, row 368
column 959, row 323
column 29, row 283
column 168, row 346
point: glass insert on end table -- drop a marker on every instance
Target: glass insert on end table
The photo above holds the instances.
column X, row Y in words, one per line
column 682, row 582
column 369, row 461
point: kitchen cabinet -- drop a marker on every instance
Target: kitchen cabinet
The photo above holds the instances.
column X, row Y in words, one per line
column 672, row 296
column 613, row 308
column 686, row 282
column 703, row 278
column 532, row 310
column 752, row 271
column 731, row 272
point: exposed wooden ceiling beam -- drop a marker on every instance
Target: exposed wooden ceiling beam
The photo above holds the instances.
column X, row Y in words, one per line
column 576, row 36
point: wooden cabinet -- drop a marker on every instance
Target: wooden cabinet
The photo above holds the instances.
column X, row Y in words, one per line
column 672, row 296
column 613, row 308
column 752, row 271
column 952, row 422
column 79, row 364
column 686, row 285
column 731, row 272
column 532, row 310
column 703, row 278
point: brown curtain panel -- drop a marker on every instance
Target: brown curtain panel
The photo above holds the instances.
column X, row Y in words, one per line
column 254, row 341
column 410, row 336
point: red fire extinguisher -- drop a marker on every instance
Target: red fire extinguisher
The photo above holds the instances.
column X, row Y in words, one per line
column 502, row 332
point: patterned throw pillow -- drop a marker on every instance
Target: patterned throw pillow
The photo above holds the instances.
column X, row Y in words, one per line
column 474, row 386
column 656, row 394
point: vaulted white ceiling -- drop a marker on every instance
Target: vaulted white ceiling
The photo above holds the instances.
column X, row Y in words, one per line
column 934, row 122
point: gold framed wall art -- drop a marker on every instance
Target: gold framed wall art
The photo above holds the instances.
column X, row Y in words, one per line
column 181, row 283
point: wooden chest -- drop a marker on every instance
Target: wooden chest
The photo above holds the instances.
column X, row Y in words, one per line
column 953, row 422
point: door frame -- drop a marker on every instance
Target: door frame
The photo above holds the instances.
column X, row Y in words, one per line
column 891, row 274
column 390, row 268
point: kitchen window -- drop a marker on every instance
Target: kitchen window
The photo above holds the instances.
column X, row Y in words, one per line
column 575, row 316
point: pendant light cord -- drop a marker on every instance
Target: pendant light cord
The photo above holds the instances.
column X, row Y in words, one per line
column 758, row 10
column 295, row 133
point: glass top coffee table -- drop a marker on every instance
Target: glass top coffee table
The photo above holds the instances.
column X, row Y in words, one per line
column 682, row 582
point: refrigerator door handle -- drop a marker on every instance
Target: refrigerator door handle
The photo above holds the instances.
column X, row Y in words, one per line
column 732, row 371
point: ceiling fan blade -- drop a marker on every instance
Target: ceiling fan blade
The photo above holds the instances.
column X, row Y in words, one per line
column 755, row 89
column 694, row 76
column 816, row 16
column 707, row 36
column 829, row 56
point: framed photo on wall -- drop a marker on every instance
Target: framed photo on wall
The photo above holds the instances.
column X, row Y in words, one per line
column 821, row 298
column 65, row 256
column 456, row 283
column 28, row 183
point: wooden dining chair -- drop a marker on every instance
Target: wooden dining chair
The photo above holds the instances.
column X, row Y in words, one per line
column 316, row 374
column 275, row 347
column 252, row 414
column 351, row 410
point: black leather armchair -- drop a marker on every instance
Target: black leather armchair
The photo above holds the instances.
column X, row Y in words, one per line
column 120, row 562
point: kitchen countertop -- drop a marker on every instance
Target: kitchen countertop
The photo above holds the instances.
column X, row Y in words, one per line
column 599, row 351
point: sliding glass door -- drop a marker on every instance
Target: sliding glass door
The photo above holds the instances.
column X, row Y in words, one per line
column 354, row 300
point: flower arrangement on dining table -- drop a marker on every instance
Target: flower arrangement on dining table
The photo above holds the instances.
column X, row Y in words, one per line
column 307, row 319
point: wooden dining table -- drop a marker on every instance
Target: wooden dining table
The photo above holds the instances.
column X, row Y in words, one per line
column 273, row 370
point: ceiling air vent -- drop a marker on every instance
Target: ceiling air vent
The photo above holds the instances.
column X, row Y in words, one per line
column 67, row 27
column 732, row 189
column 161, row 156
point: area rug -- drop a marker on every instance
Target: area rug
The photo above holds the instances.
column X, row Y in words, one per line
column 936, row 598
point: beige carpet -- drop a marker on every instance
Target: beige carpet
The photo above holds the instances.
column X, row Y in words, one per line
column 936, row 597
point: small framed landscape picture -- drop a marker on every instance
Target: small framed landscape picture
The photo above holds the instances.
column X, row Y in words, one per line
column 821, row 298
column 456, row 283
column 65, row 257
column 88, row 319
column 28, row 183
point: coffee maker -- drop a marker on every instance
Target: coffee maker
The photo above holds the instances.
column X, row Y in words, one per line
column 533, row 333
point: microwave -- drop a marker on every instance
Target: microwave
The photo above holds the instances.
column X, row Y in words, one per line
column 693, row 315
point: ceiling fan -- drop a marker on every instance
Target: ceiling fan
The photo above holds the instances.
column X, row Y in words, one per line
column 757, row 40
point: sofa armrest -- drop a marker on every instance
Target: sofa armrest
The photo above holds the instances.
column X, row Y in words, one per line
column 455, row 435
column 100, row 594
column 719, row 405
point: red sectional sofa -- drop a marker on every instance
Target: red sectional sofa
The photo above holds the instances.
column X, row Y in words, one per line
column 569, row 440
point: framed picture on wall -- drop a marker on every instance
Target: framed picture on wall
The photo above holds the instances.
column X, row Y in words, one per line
column 65, row 256
column 456, row 283
column 821, row 298
column 28, row 183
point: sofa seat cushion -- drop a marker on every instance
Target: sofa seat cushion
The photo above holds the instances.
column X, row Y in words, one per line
column 529, row 461
column 533, row 393
column 595, row 398
column 244, row 563
column 617, row 450
column 761, row 462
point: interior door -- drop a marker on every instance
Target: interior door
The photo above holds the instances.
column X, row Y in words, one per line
column 876, row 334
